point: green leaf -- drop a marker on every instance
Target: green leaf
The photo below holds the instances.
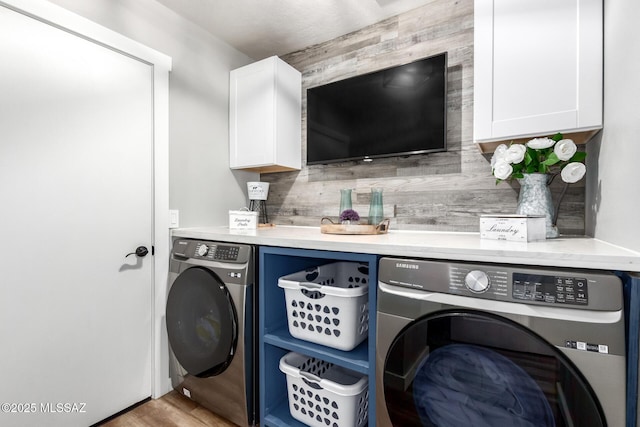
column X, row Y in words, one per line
column 527, row 157
column 532, row 157
column 543, row 168
column 518, row 175
column 578, row 157
column 551, row 160
column 557, row 137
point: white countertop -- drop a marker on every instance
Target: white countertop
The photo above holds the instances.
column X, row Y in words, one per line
column 572, row 252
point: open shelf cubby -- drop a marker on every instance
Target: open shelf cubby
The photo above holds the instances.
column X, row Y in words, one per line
column 275, row 340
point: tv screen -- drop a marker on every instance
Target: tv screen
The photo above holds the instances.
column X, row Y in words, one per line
column 397, row 111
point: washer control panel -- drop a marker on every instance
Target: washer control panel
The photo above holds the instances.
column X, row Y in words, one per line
column 226, row 253
column 216, row 252
column 551, row 289
column 211, row 251
column 503, row 284
column 558, row 287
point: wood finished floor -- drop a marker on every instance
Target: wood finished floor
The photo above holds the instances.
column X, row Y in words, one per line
column 172, row 409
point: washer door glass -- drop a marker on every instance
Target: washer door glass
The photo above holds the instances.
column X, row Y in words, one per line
column 470, row 368
column 201, row 322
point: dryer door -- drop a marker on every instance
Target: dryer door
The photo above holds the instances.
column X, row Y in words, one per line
column 201, row 322
column 470, row 368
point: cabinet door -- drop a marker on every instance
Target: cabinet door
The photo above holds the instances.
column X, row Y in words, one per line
column 265, row 117
column 538, row 67
column 252, row 115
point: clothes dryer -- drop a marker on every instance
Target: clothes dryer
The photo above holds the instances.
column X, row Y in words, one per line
column 496, row 345
column 210, row 325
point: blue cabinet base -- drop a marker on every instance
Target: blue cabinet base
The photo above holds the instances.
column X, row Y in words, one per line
column 275, row 340
column 632, row 311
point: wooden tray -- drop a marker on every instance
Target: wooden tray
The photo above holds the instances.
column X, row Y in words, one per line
column 329, row 227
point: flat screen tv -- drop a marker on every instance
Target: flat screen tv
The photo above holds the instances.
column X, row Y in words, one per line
column 397, row 111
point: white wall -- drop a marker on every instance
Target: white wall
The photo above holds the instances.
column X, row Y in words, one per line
column 202, row 186
column 613, row 189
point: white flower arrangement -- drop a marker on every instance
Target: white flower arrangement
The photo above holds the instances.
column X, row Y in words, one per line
column 540, row 155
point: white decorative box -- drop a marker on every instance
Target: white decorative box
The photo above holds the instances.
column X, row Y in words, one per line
column 514, row 228
column 243, row 220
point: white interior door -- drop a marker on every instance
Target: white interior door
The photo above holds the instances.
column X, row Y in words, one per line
column 76, row 184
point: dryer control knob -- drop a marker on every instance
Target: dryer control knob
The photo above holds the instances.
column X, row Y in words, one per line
column 202, row 250
column 477, row 281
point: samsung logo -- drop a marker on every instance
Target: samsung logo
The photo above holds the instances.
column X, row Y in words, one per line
column 407, row 266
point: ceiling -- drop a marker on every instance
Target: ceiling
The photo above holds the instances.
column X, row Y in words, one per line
column 262, row 28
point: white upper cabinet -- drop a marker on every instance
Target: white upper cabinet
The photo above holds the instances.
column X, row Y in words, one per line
column 265, row 117
column 538, row 68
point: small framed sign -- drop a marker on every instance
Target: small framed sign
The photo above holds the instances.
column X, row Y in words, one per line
column 515, row 228
column 243, row 220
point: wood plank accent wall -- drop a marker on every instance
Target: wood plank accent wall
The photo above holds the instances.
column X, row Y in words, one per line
column 438, row 192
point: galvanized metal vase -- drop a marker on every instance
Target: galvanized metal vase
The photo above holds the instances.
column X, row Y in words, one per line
column 535, row 199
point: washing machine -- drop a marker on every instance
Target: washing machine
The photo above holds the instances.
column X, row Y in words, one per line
column 486, row 345
column 210, row 326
